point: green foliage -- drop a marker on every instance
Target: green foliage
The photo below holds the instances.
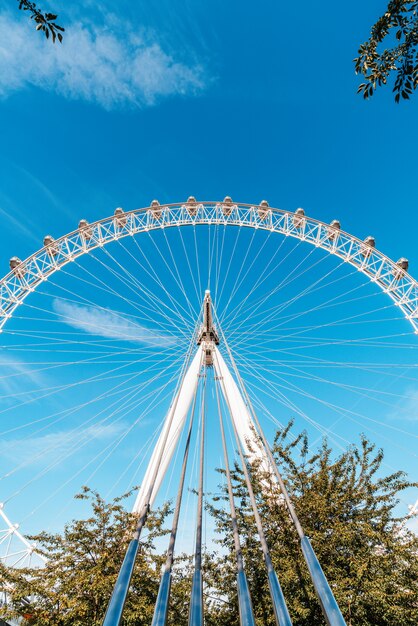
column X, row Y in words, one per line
column 45, row 22
column 83, row 562
column 345, row 504
column 399, row 26
column 347, row 510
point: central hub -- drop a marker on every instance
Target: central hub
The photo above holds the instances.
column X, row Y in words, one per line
column 207, row 337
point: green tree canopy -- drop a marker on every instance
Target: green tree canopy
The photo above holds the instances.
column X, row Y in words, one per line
column 345, row 503
column 83, row 563
column 391, row 50
column 347, row 508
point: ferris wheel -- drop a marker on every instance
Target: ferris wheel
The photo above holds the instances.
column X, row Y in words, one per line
column 112, row 335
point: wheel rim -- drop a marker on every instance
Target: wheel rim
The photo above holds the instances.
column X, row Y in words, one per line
column 379, row 270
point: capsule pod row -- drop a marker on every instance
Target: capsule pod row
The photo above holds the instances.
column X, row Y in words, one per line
column 85, row 229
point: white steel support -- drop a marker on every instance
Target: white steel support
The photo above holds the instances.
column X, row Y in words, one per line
column 413, row 509
column 176, row 416
column 174, row 423
column 18, row 550
column 240, row 414
column 391, row 277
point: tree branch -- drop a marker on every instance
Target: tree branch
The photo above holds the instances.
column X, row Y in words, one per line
column 45, row 22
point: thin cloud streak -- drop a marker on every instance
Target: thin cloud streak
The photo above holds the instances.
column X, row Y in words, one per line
column 14, row 375
column 42, row 188
column 54, row 445
column 18, row 225
column 107, row 323
column 407, row 408
column 110, row 66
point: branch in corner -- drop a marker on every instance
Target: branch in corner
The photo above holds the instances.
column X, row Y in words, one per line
column 45, row 22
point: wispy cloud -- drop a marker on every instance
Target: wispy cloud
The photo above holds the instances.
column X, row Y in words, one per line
column 15, row 375
column 110, row 66
column 18, row 225
column 407, row 408
column 34, row 450
column 107, row 323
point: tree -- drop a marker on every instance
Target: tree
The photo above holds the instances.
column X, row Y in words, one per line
column 45, row 22
column 397, row 26
column 83, row 562
column 345, row 504
column 348, row 510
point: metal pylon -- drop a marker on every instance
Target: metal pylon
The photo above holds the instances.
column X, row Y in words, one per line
column 252, row 446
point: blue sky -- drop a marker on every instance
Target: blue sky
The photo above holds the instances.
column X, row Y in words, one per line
column 270, row 111
column 169, row 98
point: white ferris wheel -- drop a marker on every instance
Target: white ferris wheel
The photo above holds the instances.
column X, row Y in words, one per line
column 107, row 332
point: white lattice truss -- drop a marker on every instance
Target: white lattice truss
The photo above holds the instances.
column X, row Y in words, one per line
column 394, row 281
column 176, row 417
column 16, row 550
column 26, row 276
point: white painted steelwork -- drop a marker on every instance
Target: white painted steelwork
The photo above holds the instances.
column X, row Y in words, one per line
column 243, row 421
column 174, row 423
column 18, row 550
column 413, row 509
column 25, row 276
column 177, row 414
column 390, row 276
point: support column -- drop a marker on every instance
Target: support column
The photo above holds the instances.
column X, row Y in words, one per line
column 281, row 612
column 196, row 615
column 173, row 423
column 241, row 416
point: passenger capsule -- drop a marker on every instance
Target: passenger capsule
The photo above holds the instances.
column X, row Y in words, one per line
column 85, row 229
column 156, row 210
column 333, row 229
column 50, row 245
column 17, row 267
column 403, row 265
column 227, row 206
column 191, row 206
column 299, row 218
column 120, row 218
column 263, row 210
column 369, row 244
